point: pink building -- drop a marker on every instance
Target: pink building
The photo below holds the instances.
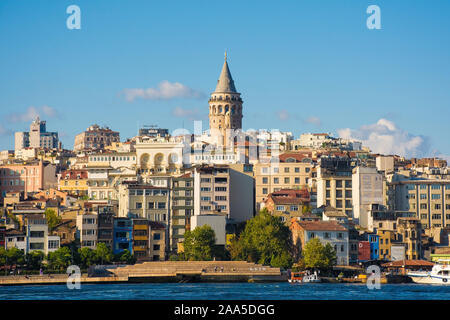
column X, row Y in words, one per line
column 26, row 177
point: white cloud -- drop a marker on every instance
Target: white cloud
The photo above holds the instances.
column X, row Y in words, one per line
column 165, row 91
column 283, row 115
column 186, row 113
column 386, row 138
column 32, row 113
column 314, row 120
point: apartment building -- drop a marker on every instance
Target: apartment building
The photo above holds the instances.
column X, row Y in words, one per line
column 334, row 183
column 26, row 177
column 37, row 137
column 95, row 137
column 15, row 239
column 74, row 182
column 105, row 225
column 220, row 189
column 123, row 235
column 409, row 233
column 157, row 241
column 367, row 189
column 292, row 171
column 152, row 203
column 182, row 199
column 288, row 203
column 327, row 232
column 428, row 199
column 87, row 225
column 141, row 239
column 38, row 238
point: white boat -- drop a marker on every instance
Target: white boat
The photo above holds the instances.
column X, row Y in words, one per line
column 311, row 278
column 439, row 274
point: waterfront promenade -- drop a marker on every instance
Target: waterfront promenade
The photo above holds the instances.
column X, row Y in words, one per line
column 167, row 271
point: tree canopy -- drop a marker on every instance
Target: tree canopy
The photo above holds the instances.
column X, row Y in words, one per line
column 60, row 259
column 315, row 255
column 52, row 219
column 265, row 240
column 199, row 244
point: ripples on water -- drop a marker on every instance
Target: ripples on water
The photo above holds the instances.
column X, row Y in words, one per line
column 226, row 291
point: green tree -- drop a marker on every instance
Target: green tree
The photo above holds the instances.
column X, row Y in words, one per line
column 87, row 257
column 34, row 259
column 315, row 255
column 265, row 240
column 103, row 254
column 52, row 219
column 60, row 259
column 126, row 257
column 199, row 244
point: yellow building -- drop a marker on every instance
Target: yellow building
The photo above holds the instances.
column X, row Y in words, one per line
column 385, row 240
column 293, row 171
column 74, row 182
column 141, row 239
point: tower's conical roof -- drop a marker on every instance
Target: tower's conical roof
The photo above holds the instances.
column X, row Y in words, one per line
column 225, row 82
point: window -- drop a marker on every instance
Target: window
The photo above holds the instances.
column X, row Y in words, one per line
column 221, row 198
column 423, row 186
column 435, row 196
column 294, row 208
column 437, row 206
column 265, row 170
column 312, row 235
column 207, row 198
column 205, row 189
column 423, row 206
column 157, row 236
column 340, row 235
column 348, row 183
column 286, row 180
column 286, row 170
column 297, row 180
column 264, row 191
column 327, row 183
column 338, row 183
column 205, row 180
column 280, row 208
column 36, row 234
column 138, row 205
column 297, row 170
column 161, row 205
column 327, row 235
column 436, row 187
column 276, row 180
column 221, row 189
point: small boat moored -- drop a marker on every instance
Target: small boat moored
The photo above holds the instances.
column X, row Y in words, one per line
column 439, row 274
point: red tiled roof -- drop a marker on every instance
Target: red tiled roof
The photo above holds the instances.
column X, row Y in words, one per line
column 289, row 196
column 409, row 263
column 298, row 156
column 321, row 226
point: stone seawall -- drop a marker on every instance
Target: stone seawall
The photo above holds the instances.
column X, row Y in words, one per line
column 167, row 271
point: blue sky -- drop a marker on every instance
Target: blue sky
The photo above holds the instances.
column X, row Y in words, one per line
column 301, row 66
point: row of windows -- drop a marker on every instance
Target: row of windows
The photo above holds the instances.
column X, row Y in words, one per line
column 276, row 180
column 339, row 184
column 283, row 208
column 115, row 158
column 327, row 235
column 150, row 192
column 152, row 205
column 10, row 172
column 265, row 170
